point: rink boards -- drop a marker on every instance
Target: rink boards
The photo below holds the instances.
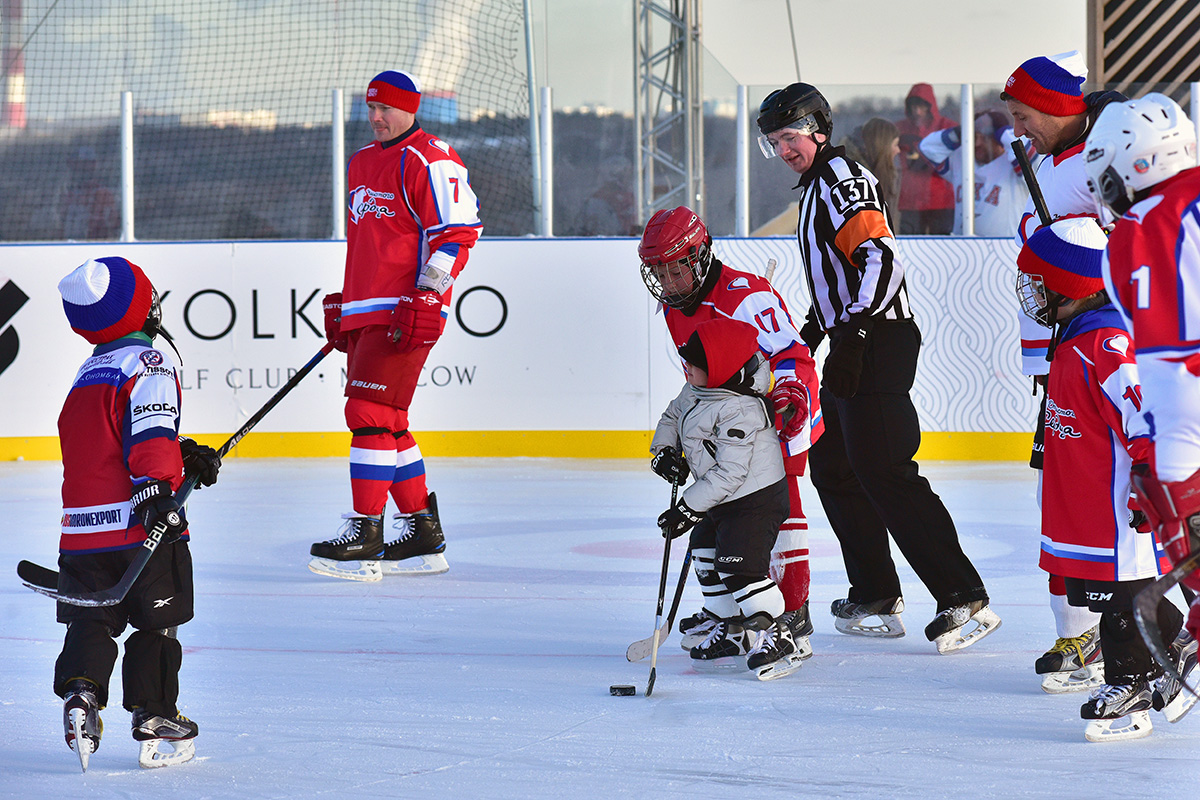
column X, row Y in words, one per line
column 553, row 346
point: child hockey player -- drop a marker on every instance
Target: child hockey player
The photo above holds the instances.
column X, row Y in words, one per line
column 721, row 429
column 122, row 461
column 1094, row 433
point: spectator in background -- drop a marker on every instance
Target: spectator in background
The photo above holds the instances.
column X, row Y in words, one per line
column 926, row 200
column 1000, row 190
column 88, row 208
column 875, row 144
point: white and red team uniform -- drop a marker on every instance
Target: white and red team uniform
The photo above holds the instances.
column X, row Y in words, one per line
column 1094, row 422
column 118, row 428
column 750, row 298
column 411, row 205
column 1152, row 273
column 1000, row 191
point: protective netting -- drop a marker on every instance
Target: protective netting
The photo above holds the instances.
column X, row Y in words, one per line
column 233, row 110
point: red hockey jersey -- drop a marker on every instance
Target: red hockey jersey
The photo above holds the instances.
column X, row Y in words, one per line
column 1152, row 272
column 1094, row 432
column 750, row 298
column 411, row 203
column 119, row 427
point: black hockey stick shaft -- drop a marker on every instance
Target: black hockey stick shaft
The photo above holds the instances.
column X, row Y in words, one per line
column 641, row 648
column 1035, row 191
column 114, row 595
column 1145, row 613
column 662, row 596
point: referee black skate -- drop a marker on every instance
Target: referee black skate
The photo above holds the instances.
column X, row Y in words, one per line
column 863, row 467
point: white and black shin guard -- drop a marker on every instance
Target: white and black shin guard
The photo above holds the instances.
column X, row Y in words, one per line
column 718, row 598
column 757, row 596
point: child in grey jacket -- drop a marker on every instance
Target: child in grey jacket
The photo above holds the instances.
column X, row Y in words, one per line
column 720, row 430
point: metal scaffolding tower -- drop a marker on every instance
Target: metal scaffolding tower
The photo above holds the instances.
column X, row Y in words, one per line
column 668, row 106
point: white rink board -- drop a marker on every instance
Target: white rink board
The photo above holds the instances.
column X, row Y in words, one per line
column 580, row 348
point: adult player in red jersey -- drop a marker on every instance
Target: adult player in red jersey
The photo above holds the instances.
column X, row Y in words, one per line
column 1045, row 97
column 1140, row 160
column 681, row 272
column 413, row 221
column 122, row 461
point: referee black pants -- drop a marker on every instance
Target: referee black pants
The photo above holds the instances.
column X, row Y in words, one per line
column 870, row 486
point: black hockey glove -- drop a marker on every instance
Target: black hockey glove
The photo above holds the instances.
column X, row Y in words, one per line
column 671, row 466
column 155, row 505
column 843, row 365
column 678, row 520
column 812, row 333
column 199, row 460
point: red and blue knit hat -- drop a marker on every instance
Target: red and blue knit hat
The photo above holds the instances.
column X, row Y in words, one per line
column 106, row 298
column 1051, row 85
column 1066, row 255
column 396, row 89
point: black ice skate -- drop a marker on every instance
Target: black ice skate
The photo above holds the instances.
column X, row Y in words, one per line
column 801, row 626
column 1072, row 664
column 1117, row 712
column 154, row 732
column 1169, row 695
column 725, row 641
column 421, row 548
column 696, row 628
column 774, row 655
column 949, row 629
column 855, row 618
column 81, row 719
column 354, row 555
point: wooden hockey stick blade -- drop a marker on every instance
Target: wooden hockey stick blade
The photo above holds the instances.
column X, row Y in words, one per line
column 46, row 580
column 1145, row 612
column 770, row 273
column 641, row 649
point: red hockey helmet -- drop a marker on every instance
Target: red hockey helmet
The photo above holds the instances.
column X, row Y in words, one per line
column 676, row 253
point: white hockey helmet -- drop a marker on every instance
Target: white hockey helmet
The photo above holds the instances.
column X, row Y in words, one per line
column 1135, row 145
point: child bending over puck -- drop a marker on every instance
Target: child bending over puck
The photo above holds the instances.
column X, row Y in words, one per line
column 720, row 429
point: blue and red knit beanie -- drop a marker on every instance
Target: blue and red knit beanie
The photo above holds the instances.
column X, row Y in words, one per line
column 1066, row 255
column 1051, row 85
column 106, row 298
column 396, row 89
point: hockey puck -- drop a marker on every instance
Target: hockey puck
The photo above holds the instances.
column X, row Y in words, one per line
column 622, row 690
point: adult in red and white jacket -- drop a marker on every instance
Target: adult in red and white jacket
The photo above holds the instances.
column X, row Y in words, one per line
column 413, row 220
column 693, row 286
column 122, row 461
column 1141, row 159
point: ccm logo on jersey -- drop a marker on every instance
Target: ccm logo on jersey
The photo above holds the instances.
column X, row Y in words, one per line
column 730, row 559
column 154, row 408
column 1099, row 597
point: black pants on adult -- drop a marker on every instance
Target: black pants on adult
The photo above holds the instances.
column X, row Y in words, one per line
column 870, row 486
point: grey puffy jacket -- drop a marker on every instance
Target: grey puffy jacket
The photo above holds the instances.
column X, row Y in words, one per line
column 728, row 438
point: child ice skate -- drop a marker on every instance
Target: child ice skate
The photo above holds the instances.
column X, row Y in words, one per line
column 720, row 429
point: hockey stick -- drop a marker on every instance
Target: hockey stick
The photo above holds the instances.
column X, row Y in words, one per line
column 1035, row 191
column 1145, row 612
column 45, row 581
column 770, row 273
column 662, row 596
column 641, row 648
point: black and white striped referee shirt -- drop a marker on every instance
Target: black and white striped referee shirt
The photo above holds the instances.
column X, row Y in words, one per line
column 851, row 259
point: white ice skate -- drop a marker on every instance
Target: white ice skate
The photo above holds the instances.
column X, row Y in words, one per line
column 959, row 627
column 1118, row 712
column 879, row 618
column 165, row 741
column 1072, row 664
column 774, row 654
column 696, row 628
column 1169, row 694
column 81, row 720
column 1088, row 677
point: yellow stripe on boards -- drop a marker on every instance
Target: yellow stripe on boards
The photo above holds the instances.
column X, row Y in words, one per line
column 935, row 446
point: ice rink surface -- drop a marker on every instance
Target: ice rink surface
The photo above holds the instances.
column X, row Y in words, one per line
column 491, row 681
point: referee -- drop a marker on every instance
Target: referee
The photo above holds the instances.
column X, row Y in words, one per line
column 863, row 467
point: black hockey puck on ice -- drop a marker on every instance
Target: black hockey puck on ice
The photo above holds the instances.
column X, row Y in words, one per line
column 622, row 690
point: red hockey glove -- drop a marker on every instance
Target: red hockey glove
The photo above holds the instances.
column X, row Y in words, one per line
column 1193, row 619
column 416, row 321
column 1173, row 509
column 791, row 407
column 333, row 320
